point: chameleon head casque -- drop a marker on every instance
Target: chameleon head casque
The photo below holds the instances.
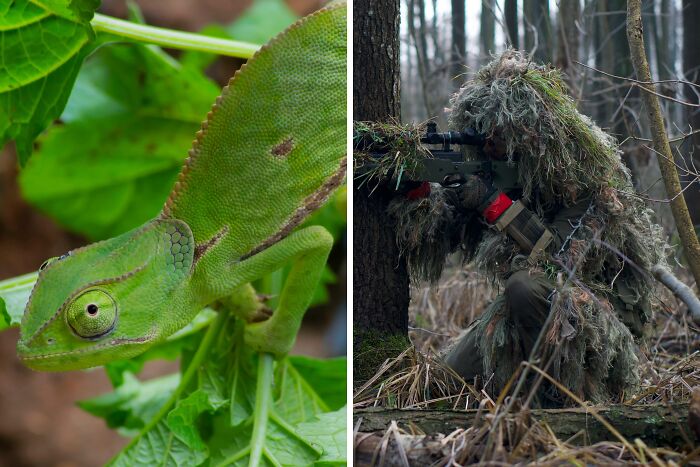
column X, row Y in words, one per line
column 89, row 306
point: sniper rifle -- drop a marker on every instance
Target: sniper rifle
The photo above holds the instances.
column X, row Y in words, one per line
column 442, row 164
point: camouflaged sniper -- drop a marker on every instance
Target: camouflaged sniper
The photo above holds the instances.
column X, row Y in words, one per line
column 603, row 239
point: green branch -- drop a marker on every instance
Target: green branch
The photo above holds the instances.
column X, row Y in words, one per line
column 174, row 39
column 262, row 408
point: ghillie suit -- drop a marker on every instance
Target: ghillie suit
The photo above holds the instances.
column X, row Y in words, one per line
column 593, row 276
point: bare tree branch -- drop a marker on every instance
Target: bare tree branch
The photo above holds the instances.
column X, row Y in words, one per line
column 679, row 208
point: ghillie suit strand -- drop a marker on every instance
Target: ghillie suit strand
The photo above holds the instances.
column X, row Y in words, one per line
column 602, row 257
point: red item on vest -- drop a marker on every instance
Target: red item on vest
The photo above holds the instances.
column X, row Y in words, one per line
column 497, row 207
column 419, row 192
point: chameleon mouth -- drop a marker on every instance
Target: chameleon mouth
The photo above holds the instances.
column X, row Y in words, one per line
column 43, row 361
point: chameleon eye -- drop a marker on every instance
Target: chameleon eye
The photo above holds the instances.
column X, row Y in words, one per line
column 92, row 314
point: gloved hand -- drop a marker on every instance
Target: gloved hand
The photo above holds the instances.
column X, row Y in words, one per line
column 475, row 192
column 413, row 189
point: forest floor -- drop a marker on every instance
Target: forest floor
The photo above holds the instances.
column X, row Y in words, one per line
column 650, row 427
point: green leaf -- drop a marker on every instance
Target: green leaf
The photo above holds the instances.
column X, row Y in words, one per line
column 216, row 419
column 182, row 419
column 301, row 381
column 232, row 444
column 327, row 377
column 265, row 432
column 20, row 13
column 43, row 45
column 14, row 294
column 296, row 399
column 125, row 134
column 133, row 403
column 229, row 375
column 160, row 446
column 5, row 318
column 26, row 57
column 328, row 430
column 262, row 21
column 80, row 11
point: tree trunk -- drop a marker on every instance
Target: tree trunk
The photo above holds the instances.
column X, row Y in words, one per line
column 649, row 33
column 421, row 46
column 544, row 50
column 664, row 44
column 688, row 238
column 567, row 51
column 510, row 10
column 691, row 70
column 380, row 280
column 528, row 25
column 621, row 66
column 434, row 33
column 603, row 61
column 656, row 425
column 538, row 29
column 459, row 43
column 488, row 28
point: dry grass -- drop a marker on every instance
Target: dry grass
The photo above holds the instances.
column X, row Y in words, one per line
column 418, row 379
column 440, row 313
column 517, row 445
column 400, row 144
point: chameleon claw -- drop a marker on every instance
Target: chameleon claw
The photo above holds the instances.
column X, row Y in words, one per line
column 264, row 297
column 263, row 313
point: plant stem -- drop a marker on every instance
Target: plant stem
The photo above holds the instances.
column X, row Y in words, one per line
column 239, row 455
column 662, row 148
column 196, row 362
column 262, row 408
column 171, row 38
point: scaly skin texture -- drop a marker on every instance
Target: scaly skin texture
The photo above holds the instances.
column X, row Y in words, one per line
column 270, row 152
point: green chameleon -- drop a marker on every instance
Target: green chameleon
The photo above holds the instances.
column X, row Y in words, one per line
column 271, row 151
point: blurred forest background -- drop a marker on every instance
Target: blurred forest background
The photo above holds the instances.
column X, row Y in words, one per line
column 39, row 421
column 444, row 41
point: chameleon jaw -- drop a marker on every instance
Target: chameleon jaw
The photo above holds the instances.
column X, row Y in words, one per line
column 70, row 360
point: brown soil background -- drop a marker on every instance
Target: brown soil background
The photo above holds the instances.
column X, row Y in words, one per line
column 40, row 425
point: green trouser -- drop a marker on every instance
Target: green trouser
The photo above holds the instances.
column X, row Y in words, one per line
column 526, row 305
